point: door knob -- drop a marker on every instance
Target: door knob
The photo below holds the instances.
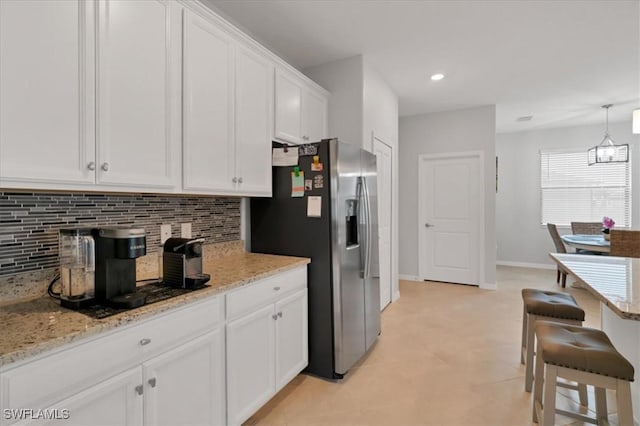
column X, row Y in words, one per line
column 428, row 225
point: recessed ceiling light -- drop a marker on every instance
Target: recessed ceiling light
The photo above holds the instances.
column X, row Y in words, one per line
column 436, row 77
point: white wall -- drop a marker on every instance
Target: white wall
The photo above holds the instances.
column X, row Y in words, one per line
column 470, row 129
column 522, row 240
column 343, row 78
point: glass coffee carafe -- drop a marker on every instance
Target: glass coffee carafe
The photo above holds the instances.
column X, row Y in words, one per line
column 77, row 267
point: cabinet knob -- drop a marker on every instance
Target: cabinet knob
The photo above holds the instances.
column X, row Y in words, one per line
column 91, row 165
column 234, row 180
column 105, row 167
column 240, row 180
column 139, row 389
column 145, row 342
column 280, row 314
column 274, row 316
column 152, row 382
column 428, row 225
column 276, row 288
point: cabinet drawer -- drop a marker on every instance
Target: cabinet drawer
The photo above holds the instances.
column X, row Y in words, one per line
column 40, row 383
column 264, row 291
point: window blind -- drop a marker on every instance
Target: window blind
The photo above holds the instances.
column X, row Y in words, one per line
column 573, row 191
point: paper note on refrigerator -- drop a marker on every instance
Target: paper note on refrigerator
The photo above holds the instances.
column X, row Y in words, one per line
column 297, row 184
column 281, row 157
column 314, row 206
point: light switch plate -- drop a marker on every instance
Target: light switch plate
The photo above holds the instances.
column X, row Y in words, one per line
column 185, row 230
column 165, row 232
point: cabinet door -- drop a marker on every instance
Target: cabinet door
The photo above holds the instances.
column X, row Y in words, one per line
column 288, row 122
column 250, row 364
column 314, row 116
column 46, row 91
column 138, row 93
column 292, row 353
column 185, row 386
column 254, row 118
column 208, row 158
column 116, row 401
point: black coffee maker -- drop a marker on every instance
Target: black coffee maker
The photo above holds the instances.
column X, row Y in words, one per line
column 182, row 263
column 115, row 277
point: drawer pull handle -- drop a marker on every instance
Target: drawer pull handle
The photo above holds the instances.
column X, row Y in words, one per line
column 274, row 316
column 152, row 382
column 139, row 389
column 145, row 342
column 280, row 314
column 276, row 288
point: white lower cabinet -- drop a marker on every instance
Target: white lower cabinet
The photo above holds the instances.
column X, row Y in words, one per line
column 267, row 343
column 166, row 370
column 185, row 386
column 182, row 368
column 112, row 402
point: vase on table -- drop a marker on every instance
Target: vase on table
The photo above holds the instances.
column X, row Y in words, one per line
column 605, row 234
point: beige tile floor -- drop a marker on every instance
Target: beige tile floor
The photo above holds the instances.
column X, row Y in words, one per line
column 448, row 355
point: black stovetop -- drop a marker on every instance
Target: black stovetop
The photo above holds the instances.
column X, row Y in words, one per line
column 154, row 292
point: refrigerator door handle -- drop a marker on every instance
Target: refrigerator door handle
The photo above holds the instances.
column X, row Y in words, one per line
column 360, row 196
column 367, row 265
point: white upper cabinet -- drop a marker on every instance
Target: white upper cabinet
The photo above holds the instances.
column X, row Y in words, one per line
column 138, row 93
column 46, row 92
column 208, row 132
column 143, row 96
column 300, row 111
column 253, row 123
column 227, row 113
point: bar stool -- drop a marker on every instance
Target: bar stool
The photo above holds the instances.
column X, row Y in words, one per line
column 546, row 305
column 587, row 356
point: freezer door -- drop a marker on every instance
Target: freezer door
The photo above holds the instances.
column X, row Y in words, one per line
column 372, row 261
column 347, row 258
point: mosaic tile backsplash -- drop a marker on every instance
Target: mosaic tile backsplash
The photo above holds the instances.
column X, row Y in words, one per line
column 29, row 221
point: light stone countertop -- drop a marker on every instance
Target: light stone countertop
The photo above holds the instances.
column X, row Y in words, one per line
column 615, row 281
column 30, row 327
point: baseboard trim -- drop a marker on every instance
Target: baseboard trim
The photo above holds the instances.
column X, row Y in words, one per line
column 409, row 278
column 526, row 265
column 489, row 286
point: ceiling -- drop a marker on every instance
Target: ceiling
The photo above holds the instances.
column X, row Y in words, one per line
column 555, row 60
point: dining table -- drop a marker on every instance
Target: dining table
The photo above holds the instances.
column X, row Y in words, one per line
column 590, row 242
column 615, row 282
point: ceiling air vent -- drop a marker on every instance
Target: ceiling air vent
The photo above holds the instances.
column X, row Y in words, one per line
column 525, row 118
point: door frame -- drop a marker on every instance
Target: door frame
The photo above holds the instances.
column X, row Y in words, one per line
column 478, row 156
column 392, row 287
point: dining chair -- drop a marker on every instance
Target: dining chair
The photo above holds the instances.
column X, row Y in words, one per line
column 560, row 248
column 590, row 228
column 624, row 243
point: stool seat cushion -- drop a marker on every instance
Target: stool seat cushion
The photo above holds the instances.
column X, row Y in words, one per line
column 581, row 348
column 551, row 304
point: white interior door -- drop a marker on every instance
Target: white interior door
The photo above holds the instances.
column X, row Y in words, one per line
column 384, row 154
column 450, row 188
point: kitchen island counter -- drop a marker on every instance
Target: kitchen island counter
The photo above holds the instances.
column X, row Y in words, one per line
column 31, row 327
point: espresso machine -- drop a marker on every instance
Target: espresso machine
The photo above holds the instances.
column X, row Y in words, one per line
column 115, row 270
column 182, row 263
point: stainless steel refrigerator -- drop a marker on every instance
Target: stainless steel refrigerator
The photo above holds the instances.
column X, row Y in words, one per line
column 341, row 238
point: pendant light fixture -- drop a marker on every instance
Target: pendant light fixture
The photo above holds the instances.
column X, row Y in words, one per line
column 607, row 151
